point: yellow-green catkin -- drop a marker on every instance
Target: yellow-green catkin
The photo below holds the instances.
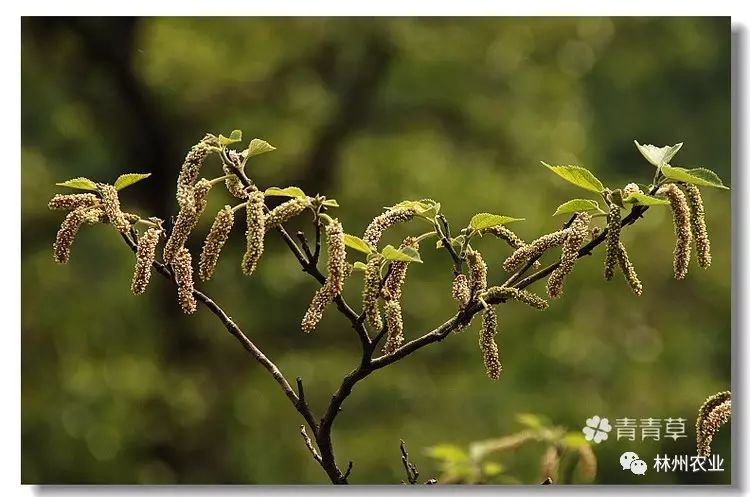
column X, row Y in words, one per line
column 371, row 292
column 715, row 412
column 111, row 205
column 460, row 289
column 628, row 270
column 392, row 296
column 191, row 167
column 286, row 211
column 578, row 233
column 550, row 463
column 681, row 218
column 513, row 240
column 233, row 183
column 256, row 232
column 613, row 241
column 69, row 229
column 215, row 240
column 377, row 226
column 490, row 354
column 535, row 249
column 73, row 201
column 477, row 272
column 144, row 259
column 528, row 298
column 586, row 462
column 191, row 208
column 183, row 277
column 698, row 225
column 337, row 274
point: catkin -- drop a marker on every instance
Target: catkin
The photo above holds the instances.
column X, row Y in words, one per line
column 578, row 233
column 191, row 167
column 586, row 462
column 460, row 289
column 144, row 259
column 629, row 189
column 395, row 280
column 286, row 211
column 392, row 295
column 191, row 208
column 215, row 240
column 477, row 272
column 183, row 277
column 487, row 344
column 513, row 240
column 535, row 249
column 550, row 463
column 528, row 298
column 715, row 411
column 395, row 324
column 111, row 205
column 681, row 218
column 628, row 270
column 69, row 229
column 384, row 221
column 371, row 292
column 613, row 241
column 255, row 233
column 73, row 201
column 698, row 225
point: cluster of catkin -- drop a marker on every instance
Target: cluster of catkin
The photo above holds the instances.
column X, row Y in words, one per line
column 715, row 412
column 616, row 255
column 391, row 293
column 689, row 223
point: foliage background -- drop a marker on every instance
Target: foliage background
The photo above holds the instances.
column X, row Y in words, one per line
column 119, row 389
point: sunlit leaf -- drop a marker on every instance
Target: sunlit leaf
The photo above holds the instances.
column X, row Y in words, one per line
column 258, row 146
column 79, row 184
column 125, row 180
column 356, row 243
column 406, row 254
column 289, row 191
column 658, row 156
column 699, row 176
column 643, row 199
column 234, row 137
column 579, row 176
column 485, row 220
column 577, row 205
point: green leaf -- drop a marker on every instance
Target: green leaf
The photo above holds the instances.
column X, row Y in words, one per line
column 643, row 199
column 699, row 176
column 234, row 137
column 331, row 202
column 356, row 243
column 125, row 180
column 456, row 242
column 427, row 208
column 447, row 452
column 359, row 266
column 533, row 421
column 405, row 254
column 579, row 176
column 258, row 146
column 491, row 469
column 79, row 184
column 573, row 439
column 577, row 205
column 485, row 220
column 658, row 156
column 289, row 191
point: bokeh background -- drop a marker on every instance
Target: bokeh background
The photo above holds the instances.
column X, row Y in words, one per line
column 119, row 389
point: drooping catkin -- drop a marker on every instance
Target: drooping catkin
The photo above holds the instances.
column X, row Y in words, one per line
column 256, row 232
column 392, row 296
column 377, row 226
column 628, row 270
column 183, row 277
column 550, row 463
column 715, row 412
column 144, row 259
column 477, row 271
column 395, row 323
column 513, row 240
column 337, row 273
column 460, row 289
column 578, row 233
column 286, row 211
column 535, row 249
column 371, row 292
column 528, row 298
column 73, row 201
column 191, row 167
column 111, row 205
column 69, row 229
column 193, row 205
column 586, row 462
column 698, row 225
column 215, row 240
column 233, row 183
column 490, row 354
column 397, row 275
column 614, row 219
column 681, row 218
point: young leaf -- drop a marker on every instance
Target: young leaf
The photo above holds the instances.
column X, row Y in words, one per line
column 577, row 205
column 485, row 220
column 356, row 243
column 331, row 202
column 258, row 146
column 658, row 156
column 643, row 199
column 406, row 254
column 125, row 180
column 457, row 242
column 426, row 207
column 359, row 266
column 79, row 184
column 579, row 176
column 289, row 191
column 699, row 176
column 234, row 137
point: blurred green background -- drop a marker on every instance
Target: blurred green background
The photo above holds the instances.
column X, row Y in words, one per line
column 124, row 389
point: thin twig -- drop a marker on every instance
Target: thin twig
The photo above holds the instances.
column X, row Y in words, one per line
column 309, row 445
column 411, row 470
